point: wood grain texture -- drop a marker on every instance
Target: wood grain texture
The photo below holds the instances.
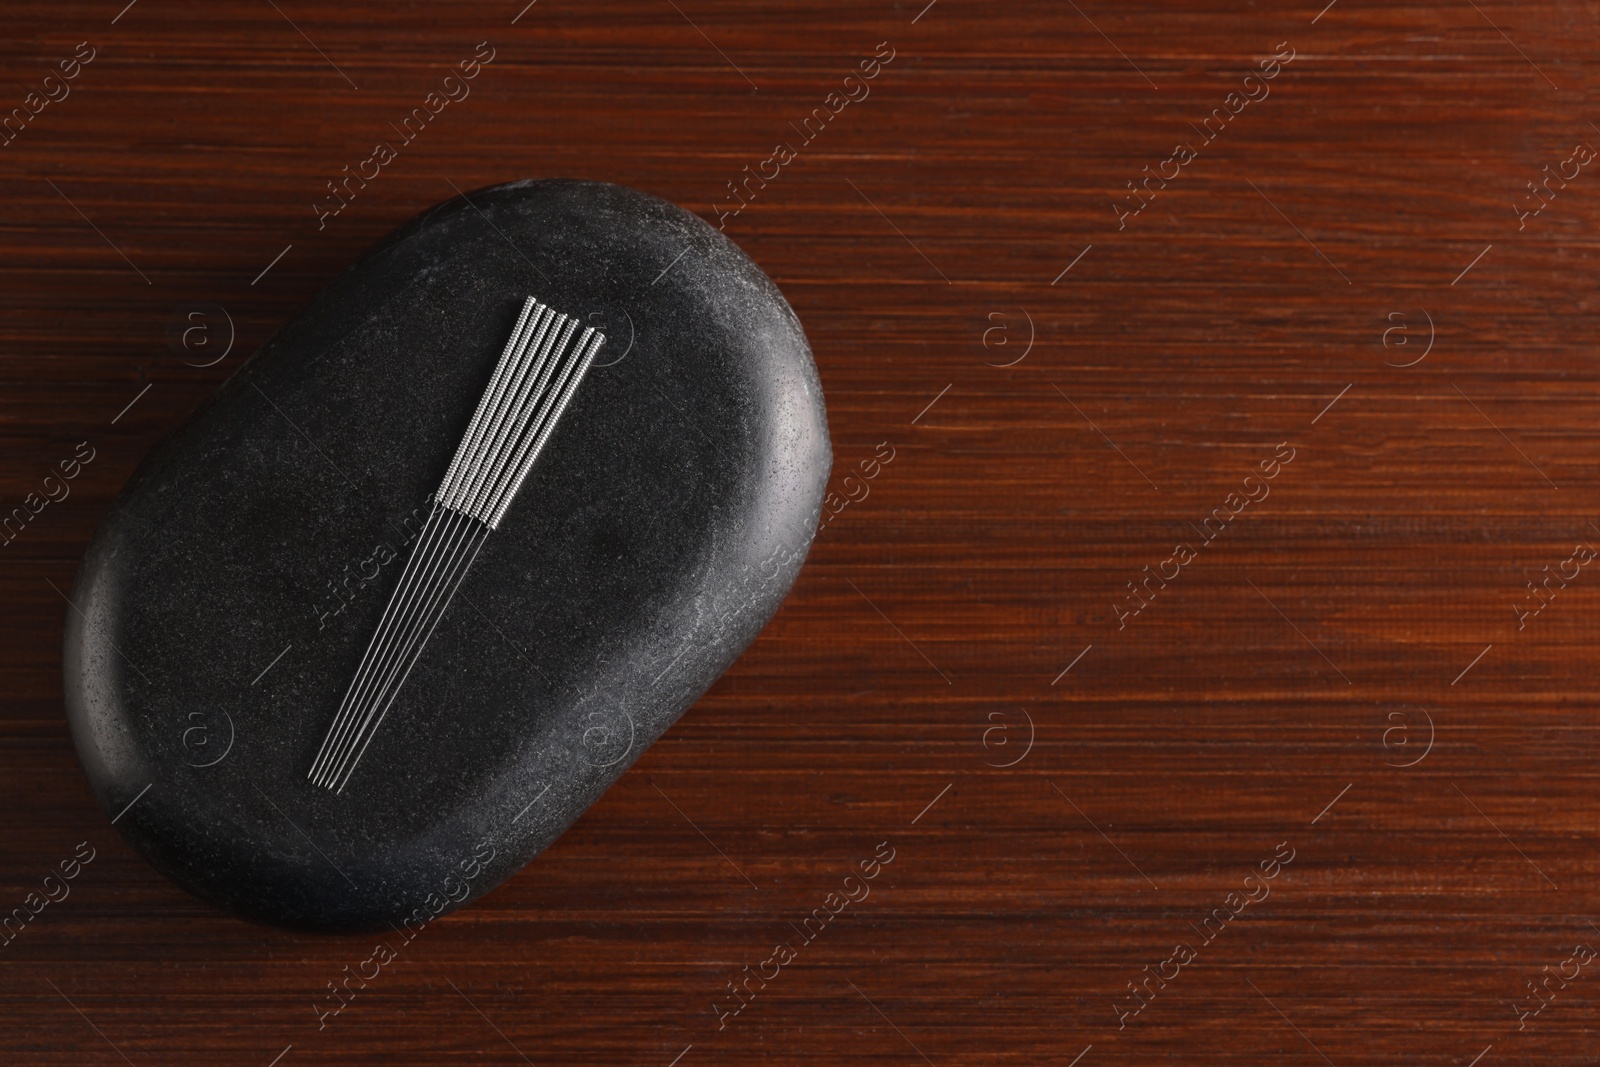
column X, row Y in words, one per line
column 1298, row 659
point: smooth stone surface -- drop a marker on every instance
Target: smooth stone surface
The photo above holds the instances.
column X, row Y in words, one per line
column 227, row 598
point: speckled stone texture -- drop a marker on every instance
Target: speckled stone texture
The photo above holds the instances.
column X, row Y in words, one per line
column 658, row 533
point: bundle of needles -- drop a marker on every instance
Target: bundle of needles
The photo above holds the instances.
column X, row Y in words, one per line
column 535, row 379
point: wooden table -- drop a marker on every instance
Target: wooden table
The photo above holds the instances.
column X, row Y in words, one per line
column 1204, row 550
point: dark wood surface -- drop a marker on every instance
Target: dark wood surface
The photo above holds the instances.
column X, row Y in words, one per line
column 1340, row 673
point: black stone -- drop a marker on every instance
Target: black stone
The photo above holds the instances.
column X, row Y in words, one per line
column 657, row 534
